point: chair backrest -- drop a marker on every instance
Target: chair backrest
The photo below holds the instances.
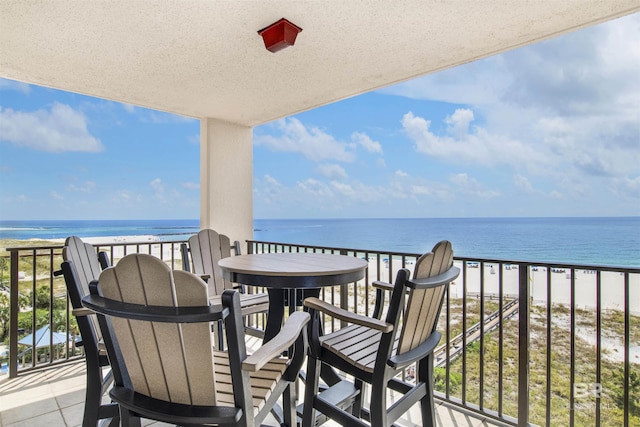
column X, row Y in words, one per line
column 423, row 305
column 207, row 248
column 84, row 267
column 166, row 361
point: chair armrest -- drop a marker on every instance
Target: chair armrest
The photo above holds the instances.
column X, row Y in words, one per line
column 152, row 313
column 382, row 285
column 281, row 342
column 347, row 316
column 429, row 282
column 83, row 311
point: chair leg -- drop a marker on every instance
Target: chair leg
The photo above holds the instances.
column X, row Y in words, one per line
column 310, row 390
column 93, row 395
column 427, row 404
column 128, row 418
column 378, row 404
column 115, row 422
column 289, row 407
column 356, row 409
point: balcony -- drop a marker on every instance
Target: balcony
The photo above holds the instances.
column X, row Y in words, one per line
column 523, row 343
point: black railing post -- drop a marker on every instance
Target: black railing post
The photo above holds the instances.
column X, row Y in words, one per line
column 344, row 294
column 523, row 345
column 13, row 316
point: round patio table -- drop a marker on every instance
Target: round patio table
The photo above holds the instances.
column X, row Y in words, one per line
column 288, row 272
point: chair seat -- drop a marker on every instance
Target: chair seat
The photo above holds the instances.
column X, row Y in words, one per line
column 357, row 345
column 263, row 382
column 249, row 303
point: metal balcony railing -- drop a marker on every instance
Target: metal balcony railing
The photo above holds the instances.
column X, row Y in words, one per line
column 523, row 342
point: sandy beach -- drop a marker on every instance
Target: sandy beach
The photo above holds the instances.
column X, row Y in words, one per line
column 585, row 291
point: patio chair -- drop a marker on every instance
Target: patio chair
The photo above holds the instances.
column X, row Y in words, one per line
column 157, row 329
column 81, row 266
column 376, row 351
column 207, row 248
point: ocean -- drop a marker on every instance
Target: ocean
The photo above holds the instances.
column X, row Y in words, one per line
column 593, row 241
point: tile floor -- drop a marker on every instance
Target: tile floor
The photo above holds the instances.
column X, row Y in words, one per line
column 55, row 397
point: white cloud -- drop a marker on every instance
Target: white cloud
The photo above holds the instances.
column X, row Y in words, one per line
column 56, row 130
column 271, row 180
column 56, row 196
column 476, row 146
column 315, row 188
column 523, row 184
column 470, row 186
column 627, row 188
column 332, row 171
column 312, row 142
column 328, row 198
column 191, row 185
column 366, row 142
column 86, row 187
column 401, row 173
column 124, row 196
column 566, row 109
column 556, row 195
column 158, row 189
column 129, row 108
column 6, row 84
column 421, row 190
column 459, row 122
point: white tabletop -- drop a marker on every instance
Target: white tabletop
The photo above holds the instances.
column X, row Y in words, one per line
column 293, row 269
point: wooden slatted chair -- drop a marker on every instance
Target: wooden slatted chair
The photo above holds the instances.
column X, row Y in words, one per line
column 157, row 328
column 82, row 265
column 206, row 249
column 375, row 351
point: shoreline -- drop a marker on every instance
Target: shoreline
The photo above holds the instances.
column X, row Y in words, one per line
column 111, row 240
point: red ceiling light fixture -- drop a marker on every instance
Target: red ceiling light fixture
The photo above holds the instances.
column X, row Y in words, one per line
column 279, row 35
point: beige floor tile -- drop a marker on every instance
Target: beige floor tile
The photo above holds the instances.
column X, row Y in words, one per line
column 50, row 419
column 73, row 414
column 29, row 410
column 70, row 399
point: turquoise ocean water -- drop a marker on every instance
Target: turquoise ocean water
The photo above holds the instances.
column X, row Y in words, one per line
column 599, row 241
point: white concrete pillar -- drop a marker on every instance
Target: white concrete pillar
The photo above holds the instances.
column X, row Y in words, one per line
column 226, row 179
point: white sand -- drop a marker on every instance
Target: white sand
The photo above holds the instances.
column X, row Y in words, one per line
column 612, row 285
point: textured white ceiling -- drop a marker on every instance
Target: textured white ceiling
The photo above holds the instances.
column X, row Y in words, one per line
column 205, row 59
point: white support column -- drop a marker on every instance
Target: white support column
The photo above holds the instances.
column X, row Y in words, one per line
column 226, row 179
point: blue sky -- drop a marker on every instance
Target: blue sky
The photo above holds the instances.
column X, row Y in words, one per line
column 551, row 129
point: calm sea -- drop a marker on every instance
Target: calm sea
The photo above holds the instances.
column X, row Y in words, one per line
column 600, row 241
